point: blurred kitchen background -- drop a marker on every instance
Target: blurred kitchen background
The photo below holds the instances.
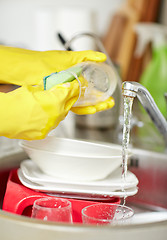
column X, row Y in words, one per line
column 35, row 24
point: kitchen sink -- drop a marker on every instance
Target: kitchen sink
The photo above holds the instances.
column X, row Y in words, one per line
column 151, row 170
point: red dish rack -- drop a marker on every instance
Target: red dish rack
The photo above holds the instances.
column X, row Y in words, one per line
column 19, row 199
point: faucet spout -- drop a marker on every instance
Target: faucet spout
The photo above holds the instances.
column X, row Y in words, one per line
column 134, row 89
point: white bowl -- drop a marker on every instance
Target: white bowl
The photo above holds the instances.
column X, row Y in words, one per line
column 73, row 159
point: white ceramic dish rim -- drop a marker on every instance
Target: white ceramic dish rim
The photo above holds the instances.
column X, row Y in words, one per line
column 51, row 189
column 78, row 156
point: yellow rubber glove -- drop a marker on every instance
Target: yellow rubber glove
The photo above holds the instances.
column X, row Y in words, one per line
column 109, row 103
column 20, row 66
column 30, row 112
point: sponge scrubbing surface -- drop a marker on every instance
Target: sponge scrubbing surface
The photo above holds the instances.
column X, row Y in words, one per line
column 61, row 77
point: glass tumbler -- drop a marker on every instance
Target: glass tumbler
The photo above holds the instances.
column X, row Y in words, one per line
column 97, row 81
column 52, row 209
column 106, row 213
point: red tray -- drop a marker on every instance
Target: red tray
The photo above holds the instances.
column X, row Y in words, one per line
column 19, row 199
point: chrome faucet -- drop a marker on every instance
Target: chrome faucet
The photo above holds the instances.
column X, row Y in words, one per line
column 134, row 89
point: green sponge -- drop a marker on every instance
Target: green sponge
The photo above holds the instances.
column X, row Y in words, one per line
column 61, row 77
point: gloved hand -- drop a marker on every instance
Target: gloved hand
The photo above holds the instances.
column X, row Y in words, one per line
column 21, row 66
column 109, row 103
column 29, row 112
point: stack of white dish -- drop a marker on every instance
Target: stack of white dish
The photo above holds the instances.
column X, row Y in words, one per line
column 75, row 168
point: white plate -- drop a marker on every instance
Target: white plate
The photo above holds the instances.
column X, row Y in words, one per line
column 75, row 192
column 113, row 182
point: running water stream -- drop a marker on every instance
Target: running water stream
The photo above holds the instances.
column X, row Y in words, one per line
column 128, row 102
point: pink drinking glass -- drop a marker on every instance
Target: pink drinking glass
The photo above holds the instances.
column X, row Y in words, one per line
column 52, row 209
column 106, row 213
